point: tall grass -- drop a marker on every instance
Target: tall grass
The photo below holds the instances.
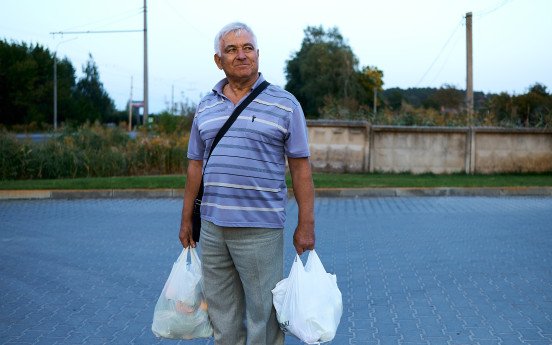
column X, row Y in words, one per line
column 92, row 151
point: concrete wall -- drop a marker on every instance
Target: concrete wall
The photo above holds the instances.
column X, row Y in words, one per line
column 355, row 146
column 508, row 150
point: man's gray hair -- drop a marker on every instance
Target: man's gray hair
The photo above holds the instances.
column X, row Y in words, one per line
column 236, row 28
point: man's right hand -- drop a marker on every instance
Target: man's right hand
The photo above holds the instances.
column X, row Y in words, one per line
column 193, row 182
column 185, row 234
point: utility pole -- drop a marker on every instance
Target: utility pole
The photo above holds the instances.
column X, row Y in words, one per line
column 145, row 65
column 55, row 91
column 470, row 166
column 173, row 110
column 469, row 69
column 130, row 107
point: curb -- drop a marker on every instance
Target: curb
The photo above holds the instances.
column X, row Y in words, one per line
column 440, row 191
column 320, row 192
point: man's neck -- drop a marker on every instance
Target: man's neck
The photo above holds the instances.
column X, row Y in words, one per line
column 235, row 90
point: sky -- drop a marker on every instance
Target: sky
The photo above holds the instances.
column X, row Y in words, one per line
column 415, row 43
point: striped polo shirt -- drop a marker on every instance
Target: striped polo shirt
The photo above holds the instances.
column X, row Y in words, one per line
column 244, row 179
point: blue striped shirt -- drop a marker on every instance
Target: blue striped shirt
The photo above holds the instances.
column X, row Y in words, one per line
column 244, row 179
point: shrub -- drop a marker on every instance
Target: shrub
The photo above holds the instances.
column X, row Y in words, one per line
column 92, row 151
column 10, row 155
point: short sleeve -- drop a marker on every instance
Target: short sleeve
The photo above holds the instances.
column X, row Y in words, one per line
column 196, row 146
column 297, row 144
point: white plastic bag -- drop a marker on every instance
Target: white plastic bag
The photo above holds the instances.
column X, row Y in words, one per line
column 181, row 310
column 308, row 302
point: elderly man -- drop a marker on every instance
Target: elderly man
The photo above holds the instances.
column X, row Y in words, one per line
column 245, row 194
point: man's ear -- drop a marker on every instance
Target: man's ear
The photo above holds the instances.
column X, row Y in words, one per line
column 217, row 61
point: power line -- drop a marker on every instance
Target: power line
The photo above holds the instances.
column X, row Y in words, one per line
column 177, row 13
column 440, row 52
column 496, row 8
column 144, row 31
column 93, row 32
column 105, row 20
column 446, row 58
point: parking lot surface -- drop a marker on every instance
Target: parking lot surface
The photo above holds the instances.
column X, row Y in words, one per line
column 412, row 270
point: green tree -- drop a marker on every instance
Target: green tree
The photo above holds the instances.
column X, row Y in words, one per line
column 532, row 109
column 371, row 80
column 446, row 99
column 534, row 106
column 394, row 99
column 17, row 81
column 66, row 104
column 325, row 68
column 92, row 101
column 501, row 106
column 26, row 84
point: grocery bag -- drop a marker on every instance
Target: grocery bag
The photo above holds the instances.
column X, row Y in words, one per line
column 308, row 302
column 181, row 310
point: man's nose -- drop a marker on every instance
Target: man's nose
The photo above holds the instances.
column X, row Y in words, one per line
column 241, row 53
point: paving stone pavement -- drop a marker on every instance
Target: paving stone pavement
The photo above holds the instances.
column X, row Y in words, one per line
column 412, row 270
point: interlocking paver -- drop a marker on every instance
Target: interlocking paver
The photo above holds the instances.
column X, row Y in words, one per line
column 412, row 270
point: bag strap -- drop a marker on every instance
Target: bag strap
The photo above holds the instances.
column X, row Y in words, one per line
column 222, row 131
column 235, row 115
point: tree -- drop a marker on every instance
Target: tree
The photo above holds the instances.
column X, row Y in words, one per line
column 26, row 84
column 502, row 107
column 17, row 82
column 393, row 98
column 324, row 68
column 65, row 93
column 532, row 109
column 371, row 80
column 533, row 106
column 93, row 102
column 446, row 99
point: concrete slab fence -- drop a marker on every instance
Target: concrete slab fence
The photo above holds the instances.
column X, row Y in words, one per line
column 357, row 146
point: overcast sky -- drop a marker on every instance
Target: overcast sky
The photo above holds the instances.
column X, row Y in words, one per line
column 416, row 43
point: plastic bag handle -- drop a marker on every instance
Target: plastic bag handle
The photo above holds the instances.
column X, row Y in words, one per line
column 194, row 257
column 190, row 252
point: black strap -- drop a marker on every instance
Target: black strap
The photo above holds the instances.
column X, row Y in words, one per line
column 235, row 115
column 222, row 131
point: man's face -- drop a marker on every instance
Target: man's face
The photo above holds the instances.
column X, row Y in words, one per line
column 239, row 57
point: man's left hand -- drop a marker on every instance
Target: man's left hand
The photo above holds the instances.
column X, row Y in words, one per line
column 303, row 238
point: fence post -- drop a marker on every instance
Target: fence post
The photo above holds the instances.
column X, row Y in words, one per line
column 472, row 150
column 371, row 149
column 469, row 165
column 367, row 148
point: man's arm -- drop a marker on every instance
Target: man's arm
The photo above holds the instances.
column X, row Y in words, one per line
column 193, row 180
column 303, row 189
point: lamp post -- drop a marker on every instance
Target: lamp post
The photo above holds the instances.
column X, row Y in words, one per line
column 55, row 81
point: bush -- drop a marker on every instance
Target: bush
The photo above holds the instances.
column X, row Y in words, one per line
column 10, row 154
column 158, row 155
column 92, row 151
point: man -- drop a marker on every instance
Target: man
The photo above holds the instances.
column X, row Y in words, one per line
column 243, row 207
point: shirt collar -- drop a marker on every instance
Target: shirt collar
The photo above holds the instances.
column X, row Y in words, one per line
column 218, row 87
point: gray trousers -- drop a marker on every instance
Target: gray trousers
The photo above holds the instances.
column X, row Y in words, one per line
column 240, row 268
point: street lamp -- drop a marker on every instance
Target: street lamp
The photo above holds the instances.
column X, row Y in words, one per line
column 55, row 80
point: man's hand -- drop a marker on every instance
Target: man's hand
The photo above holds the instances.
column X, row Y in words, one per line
column 193, row 181
column 185, row 234
column 303, row 238
column 303, row 189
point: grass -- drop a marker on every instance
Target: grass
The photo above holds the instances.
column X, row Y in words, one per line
column 321, row 180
